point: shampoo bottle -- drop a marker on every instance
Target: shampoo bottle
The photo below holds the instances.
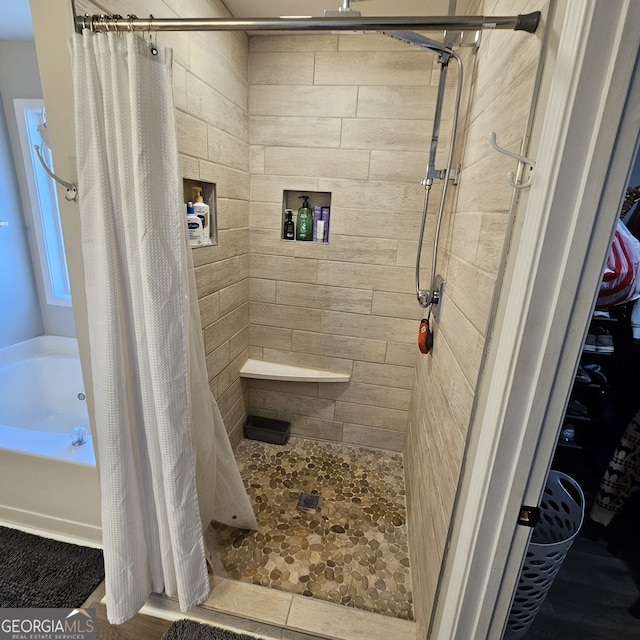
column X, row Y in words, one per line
column 289, row 227
column 194, row 227
column 304, row 228
column 201, row 209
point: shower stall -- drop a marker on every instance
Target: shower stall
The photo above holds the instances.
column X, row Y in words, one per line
column 358, row 117
column 348, row 309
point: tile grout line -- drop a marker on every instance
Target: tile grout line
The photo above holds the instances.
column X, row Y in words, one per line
column 289, row 612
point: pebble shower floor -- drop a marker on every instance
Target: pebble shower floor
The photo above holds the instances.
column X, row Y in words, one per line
column 352, row 551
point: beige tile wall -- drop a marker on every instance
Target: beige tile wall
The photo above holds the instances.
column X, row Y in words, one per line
column 212, row 101
column 211, row 96
column 350, row 115
column 474, row 233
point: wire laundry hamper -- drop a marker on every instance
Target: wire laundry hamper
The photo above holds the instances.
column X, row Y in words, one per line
column 561, row 515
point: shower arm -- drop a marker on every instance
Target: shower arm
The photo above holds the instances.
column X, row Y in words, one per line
column 431, row 296
column 99, row 23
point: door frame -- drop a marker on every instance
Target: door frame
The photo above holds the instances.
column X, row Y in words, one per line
column 588, row 135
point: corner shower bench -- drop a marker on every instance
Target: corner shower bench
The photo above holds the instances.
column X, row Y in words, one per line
column 273, row 371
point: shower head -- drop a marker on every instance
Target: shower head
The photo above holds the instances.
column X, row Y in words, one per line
column 411, row 37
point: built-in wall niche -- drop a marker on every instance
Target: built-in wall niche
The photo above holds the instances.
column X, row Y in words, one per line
column 320, row 205
column 189, row 193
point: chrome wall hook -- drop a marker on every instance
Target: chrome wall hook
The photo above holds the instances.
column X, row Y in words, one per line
column 511, row 176
column 72, row 190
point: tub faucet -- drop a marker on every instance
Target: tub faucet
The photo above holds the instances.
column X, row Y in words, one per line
column 78, row 436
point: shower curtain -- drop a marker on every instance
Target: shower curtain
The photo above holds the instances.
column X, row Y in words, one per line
column 165, row 461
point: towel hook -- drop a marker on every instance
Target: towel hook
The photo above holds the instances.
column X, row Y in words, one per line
column 510, row 176
column 72, row 190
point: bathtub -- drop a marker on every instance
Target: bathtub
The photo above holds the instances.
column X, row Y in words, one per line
column 46, row 484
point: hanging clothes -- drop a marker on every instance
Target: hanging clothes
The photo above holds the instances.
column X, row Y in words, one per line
column 622, row 477
column 621, row 275
column 165, row 462
column 632, row 219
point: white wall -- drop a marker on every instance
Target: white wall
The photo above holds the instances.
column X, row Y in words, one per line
column 20, row 78
column 20, row 318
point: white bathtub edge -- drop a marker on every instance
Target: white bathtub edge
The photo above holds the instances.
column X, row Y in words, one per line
column 51, row 527
column 44, row 345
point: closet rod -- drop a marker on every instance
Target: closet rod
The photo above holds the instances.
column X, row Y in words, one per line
column 524, row 22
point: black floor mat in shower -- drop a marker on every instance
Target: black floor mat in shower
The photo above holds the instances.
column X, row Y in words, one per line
column 44, row 573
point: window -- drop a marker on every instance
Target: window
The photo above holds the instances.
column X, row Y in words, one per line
column 43, row 203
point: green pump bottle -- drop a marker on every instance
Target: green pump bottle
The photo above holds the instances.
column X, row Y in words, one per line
column 304, row 226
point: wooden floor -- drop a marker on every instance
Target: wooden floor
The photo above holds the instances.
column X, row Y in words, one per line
column 140, row 627
column 589, row 598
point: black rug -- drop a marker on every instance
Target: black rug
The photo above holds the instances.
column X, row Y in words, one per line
column 192, row 630
column 44, row 573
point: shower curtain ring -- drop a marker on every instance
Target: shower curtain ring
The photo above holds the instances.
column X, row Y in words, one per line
column 111, row 23
column 154, row 49
column 520, row 158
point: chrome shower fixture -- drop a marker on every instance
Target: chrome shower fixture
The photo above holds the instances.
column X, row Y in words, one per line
column 451, row 39
column 411, row 37
column 79, row 436
column 427, row 298
column 343, row 11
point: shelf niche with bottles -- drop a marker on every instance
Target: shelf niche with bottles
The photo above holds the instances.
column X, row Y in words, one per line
column 209, row 197
column 292, row 200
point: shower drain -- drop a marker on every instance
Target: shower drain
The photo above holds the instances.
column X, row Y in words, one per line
column 308, row 502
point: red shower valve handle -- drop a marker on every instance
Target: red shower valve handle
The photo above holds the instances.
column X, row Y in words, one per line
column 425, row 336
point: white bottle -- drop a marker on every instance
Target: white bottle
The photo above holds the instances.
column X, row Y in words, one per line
column 194, row 227
column 201, row 209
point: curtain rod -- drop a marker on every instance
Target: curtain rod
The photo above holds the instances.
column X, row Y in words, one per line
column 100, row 23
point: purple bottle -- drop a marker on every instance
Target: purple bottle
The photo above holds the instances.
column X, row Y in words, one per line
column 325, row 214
column 317, row 212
